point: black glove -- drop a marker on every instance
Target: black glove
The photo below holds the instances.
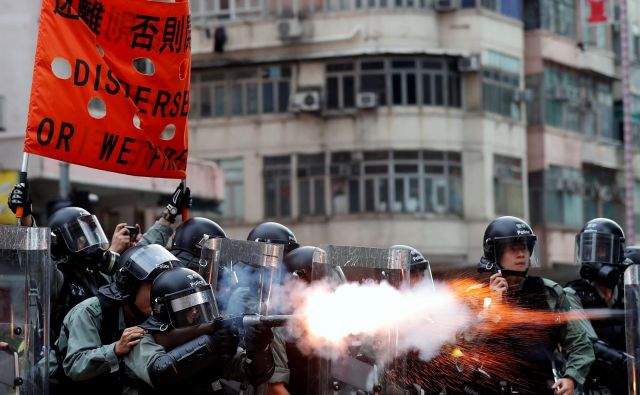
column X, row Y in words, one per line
column 19, row 197
column 225, row 341
column 257, row 337
column 179, row 199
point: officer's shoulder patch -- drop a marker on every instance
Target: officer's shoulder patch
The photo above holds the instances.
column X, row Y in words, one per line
column 91, row 305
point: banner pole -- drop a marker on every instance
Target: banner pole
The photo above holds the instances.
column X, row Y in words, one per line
column 185, row 211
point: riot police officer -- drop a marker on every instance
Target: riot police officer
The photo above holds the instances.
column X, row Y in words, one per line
column 273, row 232
column 98, row 332
column 186, row 241
column 180, row 298
column 600, row 251
column 508, row 246
column 79, row 248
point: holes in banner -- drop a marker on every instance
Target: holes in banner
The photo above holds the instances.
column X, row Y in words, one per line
column 136, row 121
column 182, row 71
column 168, row 132
column 97, row 108
column 100, row 50
column 61, row 68
column 144, row 66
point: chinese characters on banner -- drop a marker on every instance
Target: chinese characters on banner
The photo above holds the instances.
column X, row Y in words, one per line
column 111, row 86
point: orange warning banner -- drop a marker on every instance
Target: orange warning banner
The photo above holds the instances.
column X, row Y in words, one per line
column 110, row 86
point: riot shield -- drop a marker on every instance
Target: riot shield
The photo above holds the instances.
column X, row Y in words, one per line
column 632, row 325
column 362, row 369
column 25, row 275
column 241, row 274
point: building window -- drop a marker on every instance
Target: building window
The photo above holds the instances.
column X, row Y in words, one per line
column 604, row 193
column 398, row 82
column 501, row 79
column 305, row 7
column 277, row 186
column 563, row 197
column 557, row 16
column 311, row 176
column 397, row 181
column 507, row 186
column 510, row 8
column 204, row 12
column 254, row 91
column 577, row 102
column 345, row 183
column 341, row 87
column 233, row 205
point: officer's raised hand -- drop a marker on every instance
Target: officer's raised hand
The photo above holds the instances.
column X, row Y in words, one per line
column 180, row 199
column 498, row 285
column 20, row 197
column 120, row 241
column 130, row 337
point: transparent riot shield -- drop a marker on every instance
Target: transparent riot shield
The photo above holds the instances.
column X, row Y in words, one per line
column 632, row 325
column 362, row 369
column 241, row 274
column 25, row 275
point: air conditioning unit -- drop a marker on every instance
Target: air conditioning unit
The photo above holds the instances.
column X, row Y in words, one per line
column 523, row 96
column 290, row 29
column 446, row 5
column 469, row 64
column 306, row 101
column 367, row 100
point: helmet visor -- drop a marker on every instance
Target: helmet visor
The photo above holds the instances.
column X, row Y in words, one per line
column 192, row 306
column 288, row 245
column 148, row 261
column 514, row 248
column 84, row 232
column 598, row 247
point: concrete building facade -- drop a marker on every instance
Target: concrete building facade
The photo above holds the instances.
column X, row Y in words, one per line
column 364, row 122
column 575, row 155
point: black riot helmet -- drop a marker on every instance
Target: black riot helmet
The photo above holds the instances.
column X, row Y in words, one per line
column 76, row 235
column 600, row 251
column 507, row 231
column 273, row 232
column 299, row 262
column 419, row 264
column 180, row 297
column 186, row 241
column 309, row 264
column 138, row 264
